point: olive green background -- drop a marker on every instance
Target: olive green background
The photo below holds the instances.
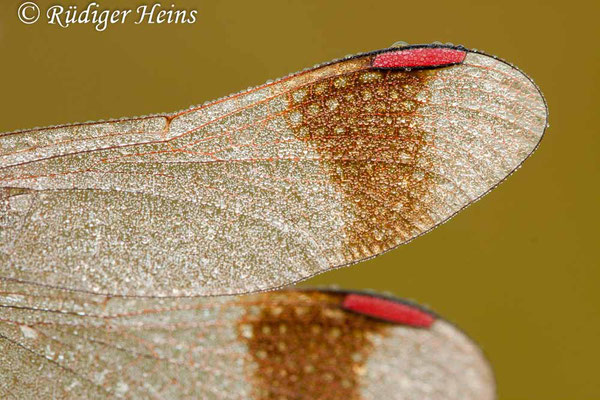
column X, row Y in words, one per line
column 519, row 270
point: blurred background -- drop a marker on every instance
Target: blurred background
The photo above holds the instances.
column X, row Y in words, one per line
column 519, row 270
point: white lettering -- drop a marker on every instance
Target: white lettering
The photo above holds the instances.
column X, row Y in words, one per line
column 192, row 19
column 102, row 18
column 144, row 12
column 54, row 14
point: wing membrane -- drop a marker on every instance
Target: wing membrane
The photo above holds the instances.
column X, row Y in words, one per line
column 60, row 344
column 261, row 189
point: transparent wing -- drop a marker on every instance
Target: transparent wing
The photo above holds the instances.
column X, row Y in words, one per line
column 318, row 170
column 290, row 344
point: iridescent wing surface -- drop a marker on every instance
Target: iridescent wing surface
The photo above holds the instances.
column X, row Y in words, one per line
column 289, row 344
column 321, row 169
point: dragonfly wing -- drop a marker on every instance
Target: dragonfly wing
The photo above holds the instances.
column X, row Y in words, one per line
column 302, row 345
column 261, row 189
